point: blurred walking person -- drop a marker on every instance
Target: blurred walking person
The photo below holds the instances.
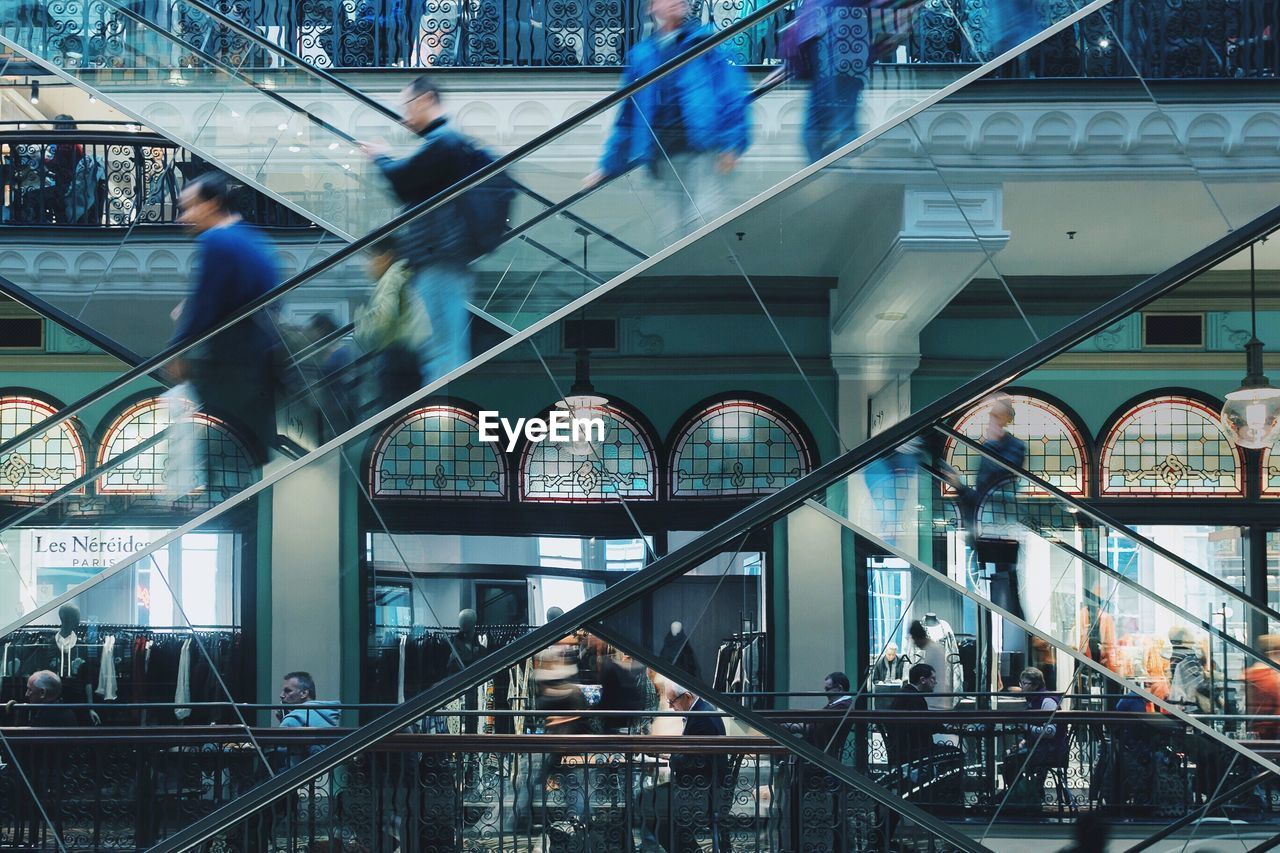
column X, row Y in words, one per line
column 439, row 244
column 232, row 374
column 829, row 45
column 394, row 324
column 1262, row 690
column 689, row 128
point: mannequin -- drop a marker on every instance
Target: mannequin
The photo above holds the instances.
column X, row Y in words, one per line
column 68, row 658
column 677, row 648
column 467, row 649
column 940, row 632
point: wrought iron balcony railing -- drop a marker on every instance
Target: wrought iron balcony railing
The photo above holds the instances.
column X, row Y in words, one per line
column 106, row 174
column 124, row 788
column 1164, row 39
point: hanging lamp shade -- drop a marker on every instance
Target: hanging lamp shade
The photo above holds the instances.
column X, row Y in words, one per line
column 1251, row 414
column 583, row 402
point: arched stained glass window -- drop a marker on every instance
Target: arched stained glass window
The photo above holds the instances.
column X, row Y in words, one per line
column 622, row 466
column 1170, row 446
column 214, row 459
column 1055, row 448
column 45, row 463
column 436, row 452
column 737, row 448
column 1271, row 471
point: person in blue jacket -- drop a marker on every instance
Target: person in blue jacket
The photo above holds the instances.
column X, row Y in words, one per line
column 690, row 127
column 233, row 373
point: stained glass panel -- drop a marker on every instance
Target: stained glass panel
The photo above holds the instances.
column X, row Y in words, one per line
column 436, row 452
column 1170, row 446
column 216, row 460
column 622, row 466
column 44, row 464
column 1055, row 449
column 1271, row 472
column 737, row 448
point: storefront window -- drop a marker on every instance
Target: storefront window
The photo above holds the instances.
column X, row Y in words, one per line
column 1220, row 551
column 890, row 595
column 192, row 580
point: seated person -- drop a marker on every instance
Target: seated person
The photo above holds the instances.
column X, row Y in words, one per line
column 910, row 743
column 1044, row 744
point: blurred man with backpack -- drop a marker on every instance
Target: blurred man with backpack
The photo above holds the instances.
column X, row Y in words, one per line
column 440, row 244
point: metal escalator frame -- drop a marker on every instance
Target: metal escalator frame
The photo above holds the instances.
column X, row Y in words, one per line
column 378, row 106
column 712, row 542
column 1106, row 521
column 78, row 327
column 365, row 100
column 1168, row 708
column 771, row 729
column 481, row 175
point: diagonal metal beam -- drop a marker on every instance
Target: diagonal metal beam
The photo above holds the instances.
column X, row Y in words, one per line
column 1110, row 572
column 76, row 326
column 1102, row 517
column 775, row 732
column 1083, row 660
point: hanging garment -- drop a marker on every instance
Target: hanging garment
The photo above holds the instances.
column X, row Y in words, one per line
column 66, row 647
column 107, row 682
column 400, row 672
column 953, row 672
column 182, row 693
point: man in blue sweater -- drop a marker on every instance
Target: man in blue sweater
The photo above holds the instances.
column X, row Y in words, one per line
column 689, row 128
column 232, row 373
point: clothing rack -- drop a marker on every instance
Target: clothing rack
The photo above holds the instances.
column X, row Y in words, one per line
column 741, row 663
column 160, row 663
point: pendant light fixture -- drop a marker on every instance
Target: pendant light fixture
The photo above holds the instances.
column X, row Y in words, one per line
column 582, row 401
column 1251, row 414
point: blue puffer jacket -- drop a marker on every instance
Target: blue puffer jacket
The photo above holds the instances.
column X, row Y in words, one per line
column 713, row 103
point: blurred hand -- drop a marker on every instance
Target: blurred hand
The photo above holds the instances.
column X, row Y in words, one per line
column 376, row 148
column 725, row 162
column 178, row 370
column 593, row 180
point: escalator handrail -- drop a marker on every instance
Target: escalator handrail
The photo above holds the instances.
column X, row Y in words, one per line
column 350, row 91
column 1150, row 595
column 476, row 178
column 800, row 746
column 75, row 325
column 1104, row 519
column 722, row 535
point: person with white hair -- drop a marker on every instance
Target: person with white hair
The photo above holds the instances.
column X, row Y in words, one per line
column 701, row 784
column 44, row 690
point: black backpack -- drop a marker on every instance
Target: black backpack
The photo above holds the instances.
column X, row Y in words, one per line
column 486, row 208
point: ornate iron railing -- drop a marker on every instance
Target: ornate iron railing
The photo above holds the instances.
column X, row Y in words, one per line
column 1163, row 38
column 95, row 789
column 102, row 175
